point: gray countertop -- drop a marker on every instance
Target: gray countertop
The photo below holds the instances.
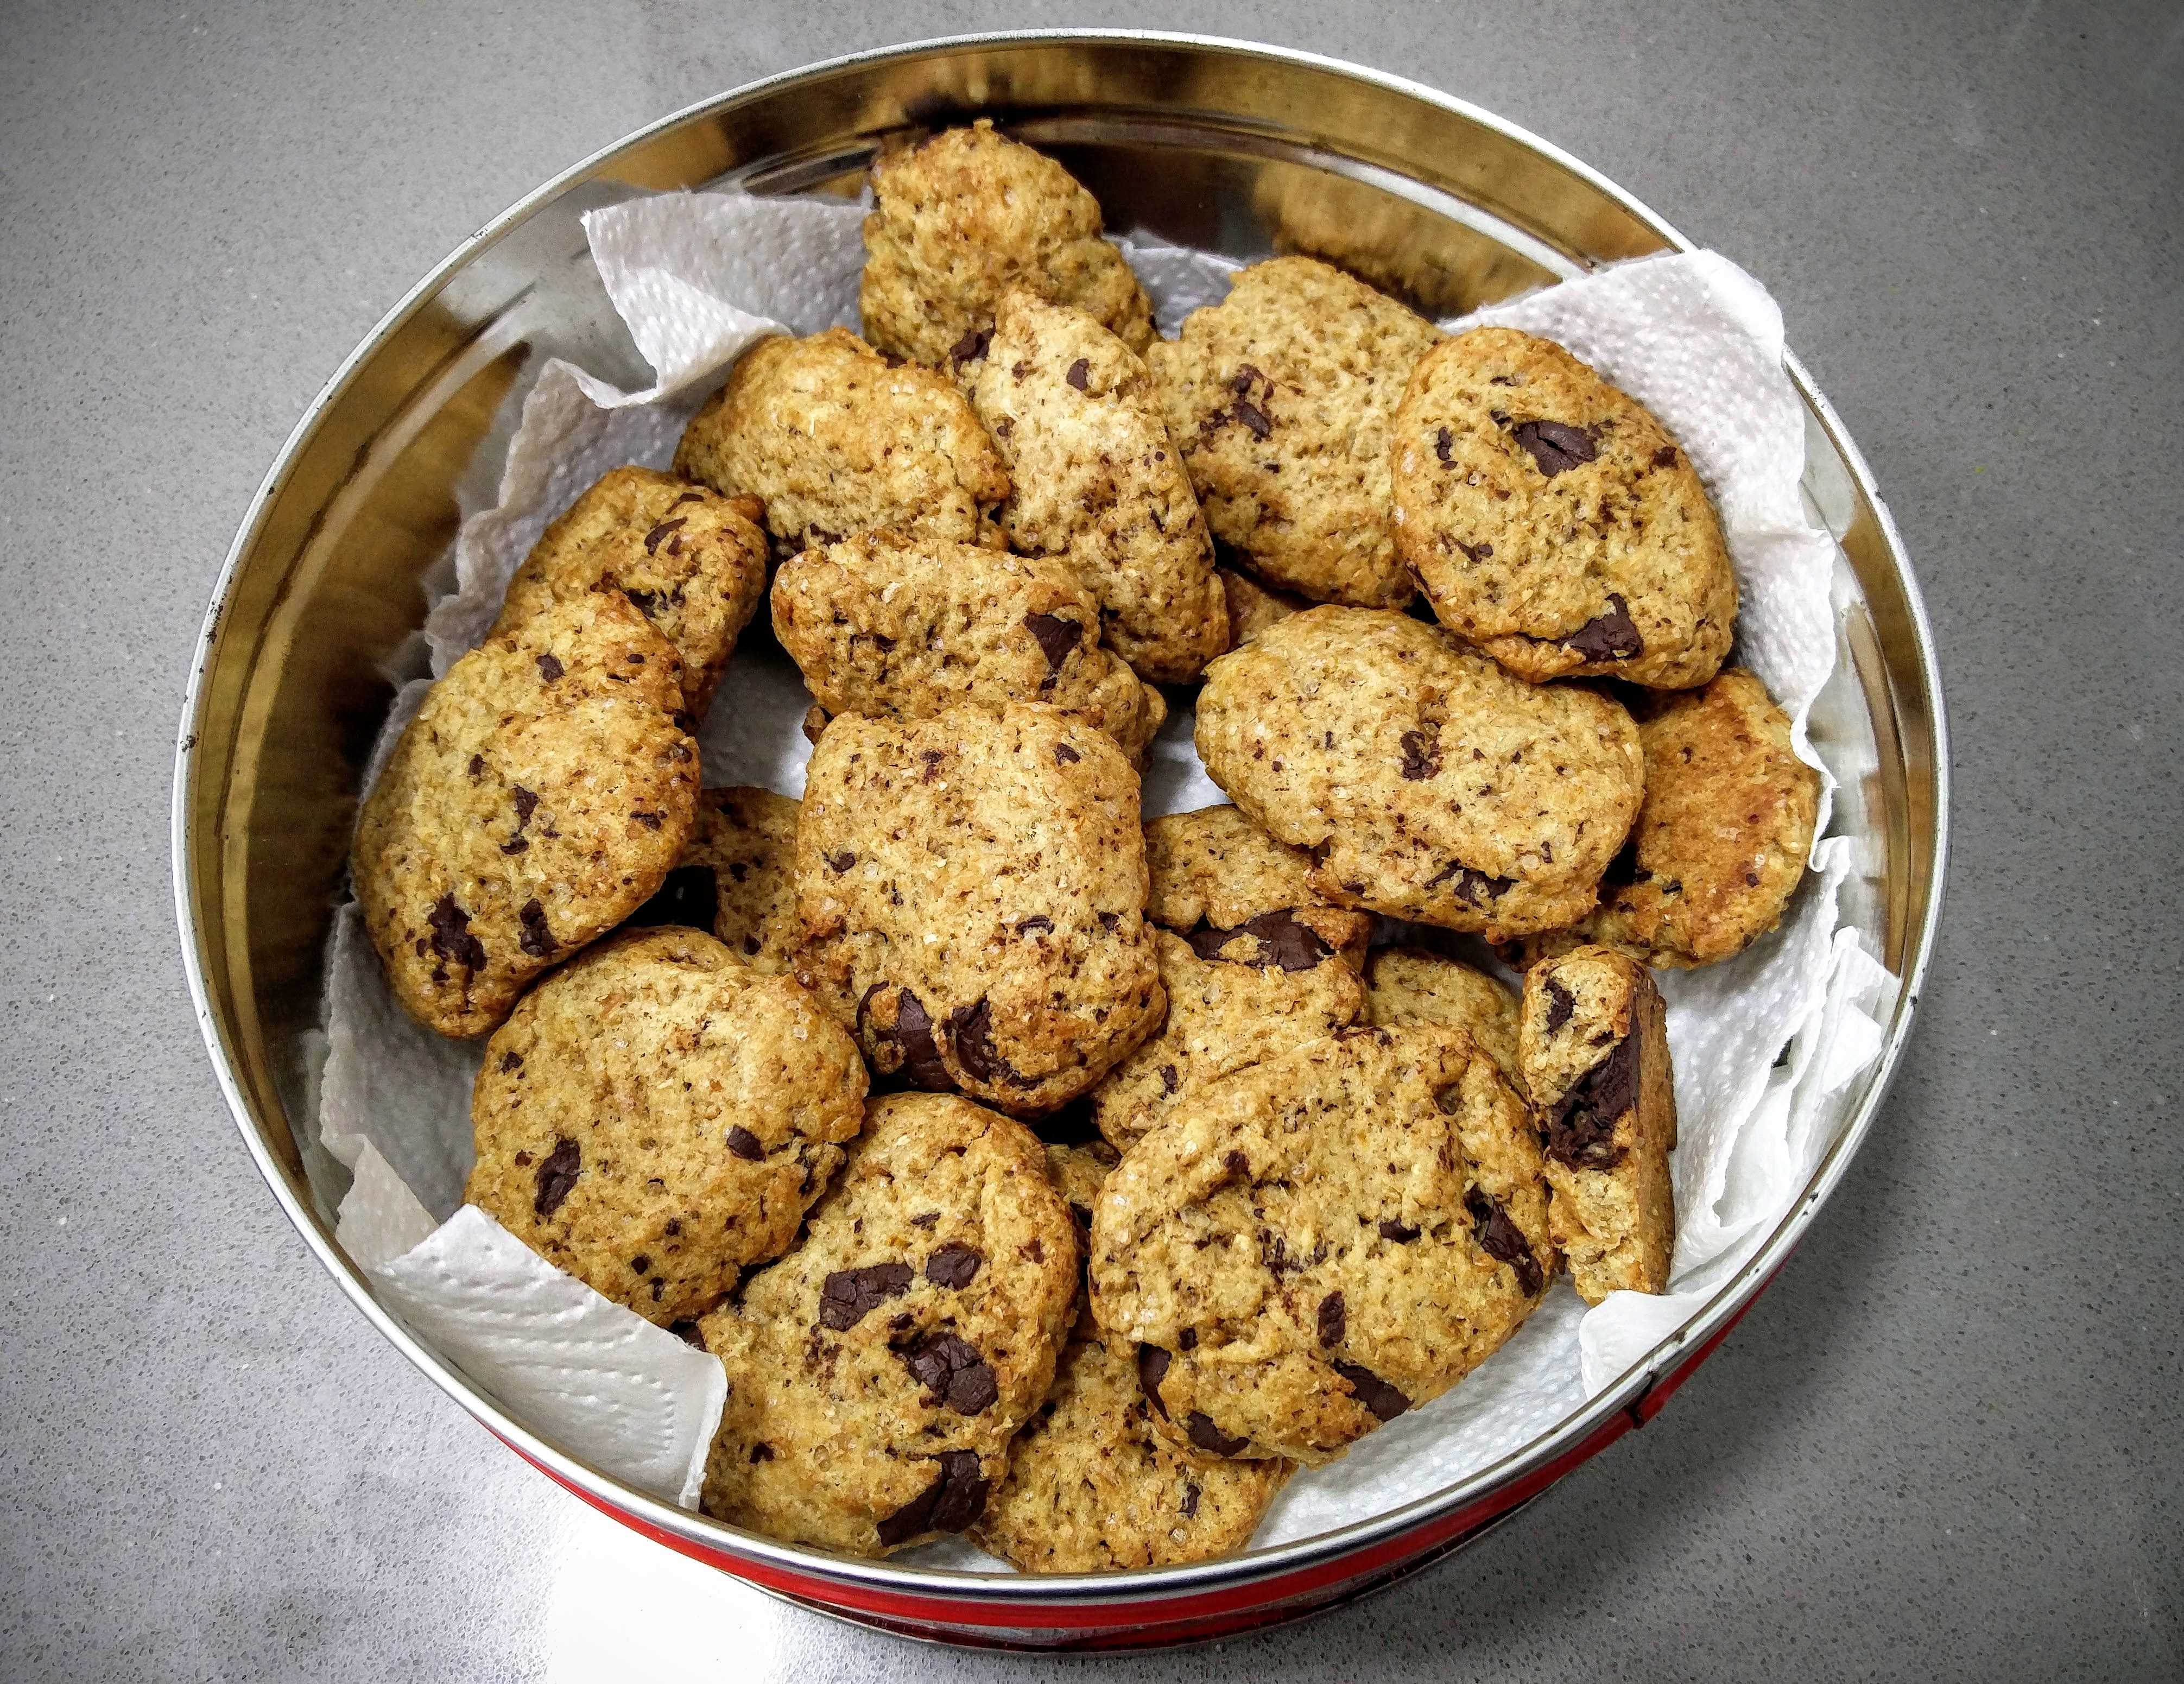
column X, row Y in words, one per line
column 1947, row 1438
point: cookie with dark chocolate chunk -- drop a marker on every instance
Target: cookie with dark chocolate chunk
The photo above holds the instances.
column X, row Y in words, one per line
column 895, row 628
column 654, row 1117
column 539, row 797
column 835, row 440
column 1092, row 1484
column 1427, row 782
column 1553, row 521
column 962, row 218
column 690, row 560
column 878, row 1372
column 1281, row 398
column 1312, row 1247
column 1722, row 836
column 970, row 889
column 1594, row 1046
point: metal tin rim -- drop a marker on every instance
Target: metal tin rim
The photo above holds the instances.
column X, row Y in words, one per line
column 1140, row 1587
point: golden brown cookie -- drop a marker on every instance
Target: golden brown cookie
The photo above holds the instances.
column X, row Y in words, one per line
column 835, row 440
column 1553, row 521
column 1098, row 485
column 537, row 799
column 1314, row 1246
column 1430, row 783
column 1252, row 607
column 962, row 217
column 971, row 891
column 1222, row 882
column 878, row 1372
column 737, row 877
column 1091, row 1485
column 1595, row 1045
column 690, row 560
column 1409, row 985
column 654, row 1117
column 1722, row 837
column 894, row 627
column 1281, row 396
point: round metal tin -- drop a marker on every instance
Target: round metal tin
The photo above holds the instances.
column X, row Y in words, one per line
column 1219, row 144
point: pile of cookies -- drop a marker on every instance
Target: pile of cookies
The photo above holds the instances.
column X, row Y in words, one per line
column 1036, row 1173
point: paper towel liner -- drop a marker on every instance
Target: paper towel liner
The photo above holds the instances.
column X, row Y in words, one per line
column 697, row 278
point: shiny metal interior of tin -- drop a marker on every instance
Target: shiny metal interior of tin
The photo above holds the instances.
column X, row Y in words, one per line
column 1234, row 150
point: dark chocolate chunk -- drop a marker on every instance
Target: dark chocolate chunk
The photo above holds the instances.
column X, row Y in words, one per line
column 1198, row 1426
column 557, row 1175
column 645, row 602
column 477, row 766
column 1560, row 1003
column 535, row 938
column 650, row 820
column 687, row 897
column 1665, row 457
column 1383, row 1399
column 1038, row 921
column 1260, row 423
column 1443, row 440
column 1080, row 373
column 1474, row 888
column 971, row 347
column 510, row 1061
column 666, row 529
column 953, row 1265
column 1400, row 1232
column 849, row 1295
column 1237, row 1164
column 1475, row 553
column 1334, row 1318
column 1066, row 755
column 1282, row 940
column 1169, row 1080
column 1188, row 1339
column 973, row 1027
column 1556, row 446
column 1110, row 922
column 950, row 1368
column 1580, row 1126
column 550, row 669
column 451, row 934
column 912, row 1037
column 956, row 1497
column 1190, row 1500
column 1152, row 1370
column 1057, row 638
column 1421, row 751
column 760, row 1453
column 841, row 862
column 1611, row 635
column 745, row 1145
column 641, row 1264
column 1502, row 1240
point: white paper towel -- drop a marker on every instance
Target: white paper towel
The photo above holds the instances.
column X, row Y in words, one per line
column 697, row 278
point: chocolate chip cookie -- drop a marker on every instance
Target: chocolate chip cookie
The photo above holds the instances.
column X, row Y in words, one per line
column 1236, row 894
column 972, row 892
column 1596, row 1051
column 537, row 799
column 962, row 217
column 1253, row 962
column 1314, row 1246
column 1410, row 985
column 1427, row 782
column 1722, row 836
column 896, row 627
column 1091, row 1485
column 690, row 560
column 1224, row 1015
column 1098, row 484
column 1553, row 521
column 834, row 439
column 654, row 1117
column 878, row 1372
column 1281, row 396
column 737, row 877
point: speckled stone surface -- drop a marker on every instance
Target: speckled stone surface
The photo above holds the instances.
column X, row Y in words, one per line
column 1945, row 1442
